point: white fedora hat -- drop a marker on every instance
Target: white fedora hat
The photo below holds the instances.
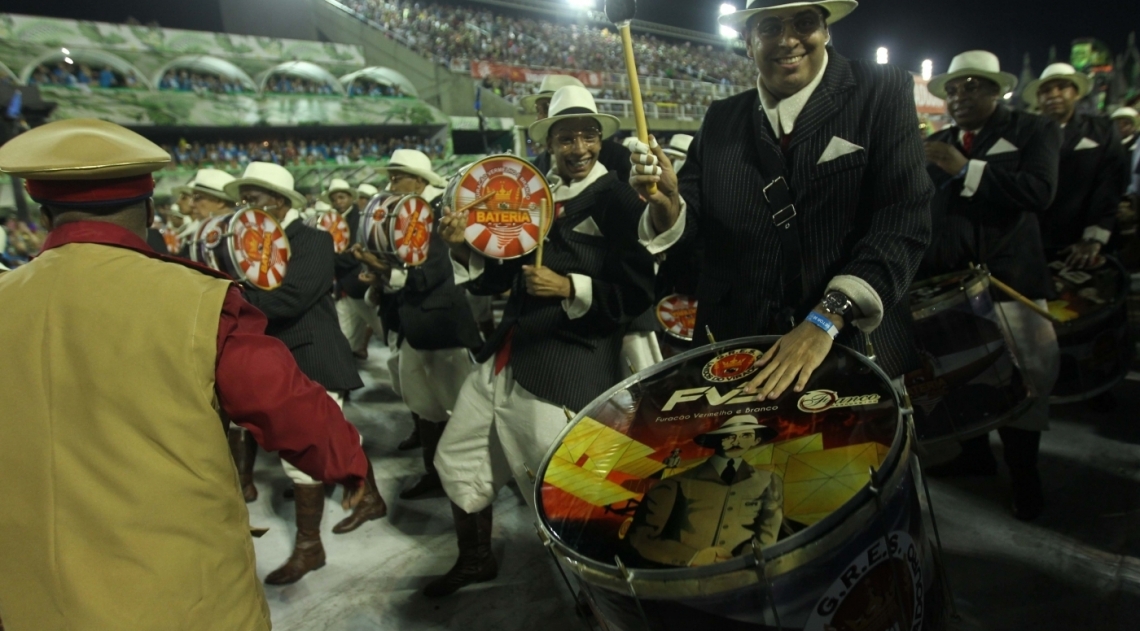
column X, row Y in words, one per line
column 185, row 189
column 416, row 163
column 738, row 21
column 973, row 63
column 678, row 146
column 271, row 177
column 367, row 190
column 212, row 182
column 1054, row 72
column 336, row 185
column 573, row 102
column 551, row 83
column 1127, row 112
column 738, row 425
column 321, row 206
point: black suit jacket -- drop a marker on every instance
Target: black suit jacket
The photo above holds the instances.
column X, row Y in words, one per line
column 864, row 214
column 433, row 311
column 156, row 242
column 571, row 362
column 302, row 314
column 614, row 156
column 1089, row 182
column 998, row 225
column 347, row 267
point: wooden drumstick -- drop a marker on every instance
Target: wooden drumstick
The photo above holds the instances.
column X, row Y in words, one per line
column 541, row 233
column 621, row 13
column 1016, row 295
column 475, row 203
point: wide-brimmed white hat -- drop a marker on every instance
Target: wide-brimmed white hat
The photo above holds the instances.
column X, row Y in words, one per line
column 271, row 177
column 337, row 185
column 185, row 189
column 416, row 163
column 678, row 146
column 551, row 83
column 212, row 182
column 1127, row 112
column 836, row 10
column 367, row 190
column 1054, row 72
column 573, row 102
column 973, row 63
column 322, row 206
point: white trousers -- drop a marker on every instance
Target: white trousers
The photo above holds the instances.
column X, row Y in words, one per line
column 430, row 381
column 295, row 474
column 356, row 316
column 1038, row 356
column 498, row 430
column 640, row 350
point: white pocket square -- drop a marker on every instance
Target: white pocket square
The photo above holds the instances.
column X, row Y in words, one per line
column 1086, row 143
column 838, row 148
column 589, row 227
column 1001, row 146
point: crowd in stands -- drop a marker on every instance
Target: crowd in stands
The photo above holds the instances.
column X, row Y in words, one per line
column 368, row 87
column 233, row 155
column 451, row 33
column 19, row 241
column 186, row 81
column 289, row 84
column 75, row 75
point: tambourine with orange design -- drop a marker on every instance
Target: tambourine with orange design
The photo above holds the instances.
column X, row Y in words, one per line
column 677, row 314
column 507, row 201
column 247, row 244
column 335, row 224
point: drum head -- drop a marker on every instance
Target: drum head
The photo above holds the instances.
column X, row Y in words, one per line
column 258, row 249
column 335, row 224
column 210, row 235
column 677, row 461
column 1084, row 294
column 505, row 198
column 412, row 227
column 678, row 315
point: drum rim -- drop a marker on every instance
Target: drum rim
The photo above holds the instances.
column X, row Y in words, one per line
column 786, row 549
column 230, row 250
column 939, row 303
column 1120, row 301
column 362, row 232
column 392, row 229
column 665, row 327
column 545, row 185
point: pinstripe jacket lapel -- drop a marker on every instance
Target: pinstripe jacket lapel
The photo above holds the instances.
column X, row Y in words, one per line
column 825, row 102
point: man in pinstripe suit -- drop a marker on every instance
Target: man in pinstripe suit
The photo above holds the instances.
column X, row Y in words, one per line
column 844, row 137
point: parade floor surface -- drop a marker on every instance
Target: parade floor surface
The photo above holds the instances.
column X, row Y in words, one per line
column 1076, row 568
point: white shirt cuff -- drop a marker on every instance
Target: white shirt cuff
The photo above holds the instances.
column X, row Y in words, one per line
column 865, row 298
column 396, row 281
column 973, row 177
column 658, row 243
column 1098, row 234
column 577, row 306
column 467, row 273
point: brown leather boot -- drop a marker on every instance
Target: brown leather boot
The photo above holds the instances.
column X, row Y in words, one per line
column 476, row 563
column 413, row 441
column 371, row 507
column 430, row 433
column 244, row 450
column 308, row 553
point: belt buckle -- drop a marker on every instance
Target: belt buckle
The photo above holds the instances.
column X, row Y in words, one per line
column 784, row 215
column 771, row 184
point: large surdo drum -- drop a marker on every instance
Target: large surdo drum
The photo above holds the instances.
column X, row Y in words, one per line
column 247, row 244
column 969, row 382
column 505, row 199
column 675, row 502
column 398, row 227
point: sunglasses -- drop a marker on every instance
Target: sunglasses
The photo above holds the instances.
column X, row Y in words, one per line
column 803, row 25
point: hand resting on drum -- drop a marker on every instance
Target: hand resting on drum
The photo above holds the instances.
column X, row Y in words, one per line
column 796, row 354
column 1082, row 255
column 377, row 269
column 544, row 282
column 709, row 556
column 451, row 227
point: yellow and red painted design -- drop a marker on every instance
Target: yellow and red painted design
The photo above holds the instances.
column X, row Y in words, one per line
column 335, row 224
column 411, row 230
column 678, row 315
column 515, row 196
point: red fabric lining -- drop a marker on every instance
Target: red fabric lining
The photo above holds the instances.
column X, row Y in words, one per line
column 90, row 191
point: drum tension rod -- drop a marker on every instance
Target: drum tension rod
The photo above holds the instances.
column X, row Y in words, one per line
column 943, row 574
column 632, row 592
column 568, row 413
column 549, row 545
column 708, row 332
column 762, row 574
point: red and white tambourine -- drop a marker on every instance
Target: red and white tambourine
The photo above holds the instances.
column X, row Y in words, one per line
column 412, row 228
column 375, row 230
column 505, row 199
column 170, row 238
column 249, row 245
column 336, row 225
column 678, row 315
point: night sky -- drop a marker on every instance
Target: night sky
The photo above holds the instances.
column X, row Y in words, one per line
column 913, row 30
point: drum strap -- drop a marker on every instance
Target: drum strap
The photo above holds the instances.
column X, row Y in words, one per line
column 782, row 210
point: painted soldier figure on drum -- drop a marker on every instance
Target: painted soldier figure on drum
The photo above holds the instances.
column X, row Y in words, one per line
column 712, row 512
column 808, row 195
column 996, row 170
column 301, row 314
column 572, row 296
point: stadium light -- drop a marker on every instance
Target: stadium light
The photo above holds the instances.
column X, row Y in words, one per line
column 65, row 51
column 68, row 60
column 881, row 55
column 727, row 9
column 1008, row 96
column 582, row 4
column 927, row 70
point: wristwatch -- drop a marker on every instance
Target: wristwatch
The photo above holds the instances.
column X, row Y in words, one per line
column 837, row 303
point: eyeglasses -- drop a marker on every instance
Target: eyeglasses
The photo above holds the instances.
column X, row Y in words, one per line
column 969, row 87
column 803, row 25
column 567, row 140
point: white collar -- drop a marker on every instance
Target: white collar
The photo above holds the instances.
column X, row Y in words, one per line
column 290, row 217
column 563, row 191
column 719, row 462
column 782, row 113
column 431, row 193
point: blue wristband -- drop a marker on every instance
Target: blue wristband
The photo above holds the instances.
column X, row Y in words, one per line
column 824, row 323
